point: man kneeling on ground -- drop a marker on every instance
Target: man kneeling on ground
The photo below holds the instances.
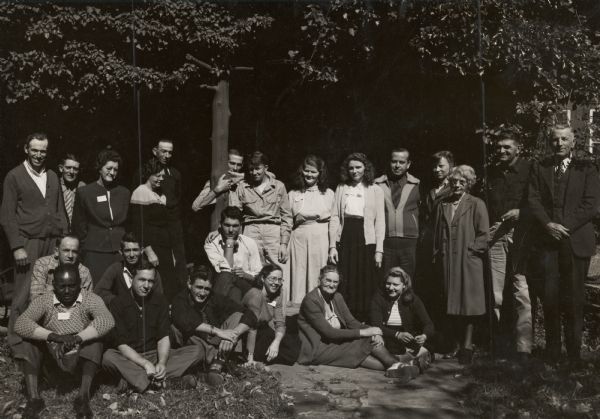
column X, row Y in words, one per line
column 64, row 323
column 211, row 322
column 143, row 355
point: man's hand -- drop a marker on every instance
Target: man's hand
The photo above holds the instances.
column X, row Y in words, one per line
column 228, row 334
column 240, row 273
column 160, row 371
column 152, row 258
column 404, row 337
column 272, row 351
column 224, row 183
column 557, row 231
column 333, row 255
column 20, row 256
column 283, row 253
column 150, row 369
column 225, row 347
column 378, row 259
column 377, row 341
column 421, row 339
column 511, row 215
column 71, row 342
column 211, row 236
column 370, row 331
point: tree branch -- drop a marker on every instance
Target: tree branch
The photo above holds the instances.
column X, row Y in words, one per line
column 208, row 86
column 199, row 62
column 242, row 68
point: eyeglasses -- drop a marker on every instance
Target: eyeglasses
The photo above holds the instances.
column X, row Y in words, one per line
column 274, row 280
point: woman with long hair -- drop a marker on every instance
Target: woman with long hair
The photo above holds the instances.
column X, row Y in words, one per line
column 460, row 242
column 310, row 201
column 100, row 213
column 269, row 342
column 357, row 230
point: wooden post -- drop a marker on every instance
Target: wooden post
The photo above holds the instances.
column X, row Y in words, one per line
column 220, row 145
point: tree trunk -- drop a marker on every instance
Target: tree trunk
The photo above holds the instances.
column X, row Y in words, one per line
column 220, row 145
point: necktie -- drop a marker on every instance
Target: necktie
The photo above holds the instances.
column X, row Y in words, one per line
column 560, row 170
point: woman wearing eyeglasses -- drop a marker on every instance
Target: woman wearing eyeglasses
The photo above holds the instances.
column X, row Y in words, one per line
column 461, row 228
column 269, row 342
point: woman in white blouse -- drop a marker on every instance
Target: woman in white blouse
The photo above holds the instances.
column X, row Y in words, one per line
column 311, row 202
column 356, row 232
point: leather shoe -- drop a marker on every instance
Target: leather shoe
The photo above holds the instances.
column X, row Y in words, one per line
column 33, row 408
column 82, row 408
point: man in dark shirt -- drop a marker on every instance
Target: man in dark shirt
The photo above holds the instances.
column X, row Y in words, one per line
column 507, row 194
column 143, row 355
column 564, row 196
column 210, row 322
column 118, row 277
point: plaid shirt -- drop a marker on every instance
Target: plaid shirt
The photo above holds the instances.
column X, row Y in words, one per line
column 42, row 276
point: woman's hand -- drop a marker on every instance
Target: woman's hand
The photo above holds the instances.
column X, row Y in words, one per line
column 152, row 258
column 377, row 341
column 378, row 259
column 421, row 339
column 404, row 337
column 333, row 255
column 370, row 331
column 272, row 351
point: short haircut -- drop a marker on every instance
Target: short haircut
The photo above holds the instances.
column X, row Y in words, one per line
column 507, row 132
column 40, row 136
column 66, row 269
column 369, row 176
column 151, row 167
column 129, row 237
column 164, row 140
column 466, row 172
column 400, row 150
column 234, row 152
column 327, row 269
column 68, row 156
column 201, row 272
column 407, row 296
column 66, row 236
column 443, row 154
column 143, row 265
column 316, row 162
column 106, row 155
column 232, row 212
column 257, row 158
column 550, row 128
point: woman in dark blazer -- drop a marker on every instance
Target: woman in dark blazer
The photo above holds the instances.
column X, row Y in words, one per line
column 330, row 335
column 150, row 223
column 99, row 215
column 402, row 317
column 461, row 236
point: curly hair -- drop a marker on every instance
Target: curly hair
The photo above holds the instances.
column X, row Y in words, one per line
column 443, row 154
column 259, row 279
column 369, row 176
column 407, row 295
column 106, row 155
column 316, row 162
column 151, row 167
column 466, row 172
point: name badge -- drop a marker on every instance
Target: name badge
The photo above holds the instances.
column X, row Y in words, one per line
column 273, row 303
column 101, row 198
column 64, row 316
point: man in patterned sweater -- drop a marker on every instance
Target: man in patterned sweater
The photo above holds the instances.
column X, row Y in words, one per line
column 63, row 325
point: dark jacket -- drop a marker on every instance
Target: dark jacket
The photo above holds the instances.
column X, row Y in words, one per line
column 112, row 284
column 578, row 207
column 98, row 230
column 188, row 315
column 415, row 319
column 314, row 328
column 25, row 213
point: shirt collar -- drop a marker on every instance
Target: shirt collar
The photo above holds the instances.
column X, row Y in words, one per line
column 33, row 172
column 58, row 303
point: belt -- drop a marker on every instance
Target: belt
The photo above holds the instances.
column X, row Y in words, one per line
column 277, row 223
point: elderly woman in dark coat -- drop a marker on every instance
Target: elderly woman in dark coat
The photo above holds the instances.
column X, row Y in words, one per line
column 330, row 335
column 461, row 228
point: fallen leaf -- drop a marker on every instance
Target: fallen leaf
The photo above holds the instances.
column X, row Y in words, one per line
column 2, row 359
column 17, row 416
column 106, row 396
column 163, row 403
column 114, row 406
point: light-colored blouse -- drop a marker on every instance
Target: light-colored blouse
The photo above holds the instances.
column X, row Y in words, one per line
column 311, row 205
column 394, row 319
column 355, row 201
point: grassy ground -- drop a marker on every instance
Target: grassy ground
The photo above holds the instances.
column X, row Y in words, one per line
column 247, row 393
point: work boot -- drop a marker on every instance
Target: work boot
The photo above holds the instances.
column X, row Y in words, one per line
column 33, row 408
column 402, row 373
column 82, row 408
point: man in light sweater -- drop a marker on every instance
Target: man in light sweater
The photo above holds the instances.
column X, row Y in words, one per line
column 402, row 197
column 62, row 325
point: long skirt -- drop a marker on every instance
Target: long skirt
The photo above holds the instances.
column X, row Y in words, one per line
column 348, row 354
column 357, row 266
column 308, row 249
column 289, row 348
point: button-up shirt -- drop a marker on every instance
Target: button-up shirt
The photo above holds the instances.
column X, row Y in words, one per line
column 69, row 197
column 42, row 276
column 269, row 206
column 507, row 188
column 245, row 256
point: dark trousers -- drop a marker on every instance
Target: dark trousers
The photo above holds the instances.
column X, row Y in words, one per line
column 400, row 251
column 563, row 294
column 34, row 352
column 228, row 285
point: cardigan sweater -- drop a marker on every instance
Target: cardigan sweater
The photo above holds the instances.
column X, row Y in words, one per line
column 25, row 213
column 374, row 216
column 314, row 329
column 401, row 220
column 415, row 319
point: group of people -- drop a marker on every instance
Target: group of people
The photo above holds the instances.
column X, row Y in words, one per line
column 374, row 265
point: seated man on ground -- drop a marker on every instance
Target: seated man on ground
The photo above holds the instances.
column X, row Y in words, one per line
column 210, row 322
column 234, row 257
column 143, row 355
column 63, row 325
column 118, row 277
column 402, row 317
column 67, row 251
column 330, row 334
column 269, row 342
